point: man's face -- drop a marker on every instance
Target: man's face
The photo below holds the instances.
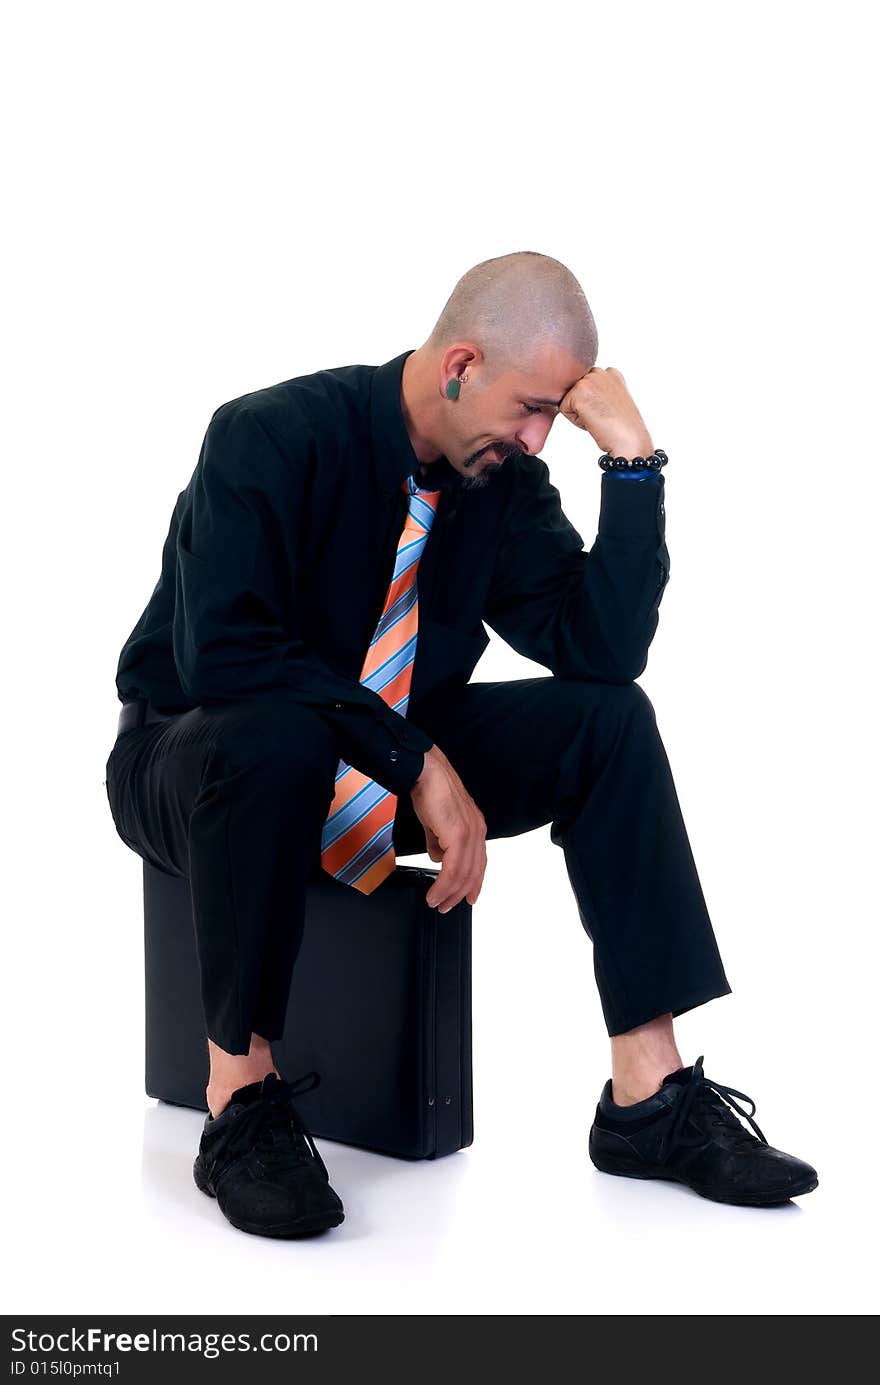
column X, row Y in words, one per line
column 492, row 421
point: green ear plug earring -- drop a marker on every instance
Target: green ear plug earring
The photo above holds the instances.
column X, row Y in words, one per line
column 453, row 389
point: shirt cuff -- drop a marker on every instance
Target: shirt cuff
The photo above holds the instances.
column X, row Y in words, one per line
column 387, row 748
column 406, row 759
column 639, row 513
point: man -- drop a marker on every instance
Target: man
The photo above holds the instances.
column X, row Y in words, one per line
column 297, row 699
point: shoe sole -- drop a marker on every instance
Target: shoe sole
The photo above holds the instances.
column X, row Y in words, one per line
column 283, row 1231
column 765, row 1200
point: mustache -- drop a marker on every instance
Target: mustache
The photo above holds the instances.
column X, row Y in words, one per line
column 504, row 452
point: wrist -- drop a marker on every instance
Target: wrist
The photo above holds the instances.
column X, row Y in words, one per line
column 428, row 764
column 638, row 447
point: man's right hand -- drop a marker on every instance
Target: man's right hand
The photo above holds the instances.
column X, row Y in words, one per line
column 455, row 832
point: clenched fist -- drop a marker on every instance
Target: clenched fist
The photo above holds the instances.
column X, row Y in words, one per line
column 601, row 404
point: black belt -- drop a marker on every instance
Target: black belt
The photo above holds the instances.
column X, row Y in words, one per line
column 140, row 712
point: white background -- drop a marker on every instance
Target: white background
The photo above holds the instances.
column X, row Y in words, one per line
column 203, row 199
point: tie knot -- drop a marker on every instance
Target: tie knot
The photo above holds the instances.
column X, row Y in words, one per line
column 422, row 503
column 411, row 487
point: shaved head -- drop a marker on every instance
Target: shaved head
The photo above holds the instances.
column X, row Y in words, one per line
column 511, row 306
column 514, row 336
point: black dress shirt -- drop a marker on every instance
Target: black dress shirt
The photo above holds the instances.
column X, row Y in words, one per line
column 281, row 548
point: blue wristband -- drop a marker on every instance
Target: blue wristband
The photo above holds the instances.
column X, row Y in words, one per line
column 633, row 475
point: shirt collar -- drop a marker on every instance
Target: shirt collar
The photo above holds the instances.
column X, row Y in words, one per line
column 393, row 454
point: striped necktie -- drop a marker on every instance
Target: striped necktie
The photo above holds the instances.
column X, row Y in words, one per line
column 356, row 841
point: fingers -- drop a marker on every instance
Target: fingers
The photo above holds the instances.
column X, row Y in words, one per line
column 478, row 866
column 463, row 868
column 473, row 894
column 455, row 834
column 454, row 877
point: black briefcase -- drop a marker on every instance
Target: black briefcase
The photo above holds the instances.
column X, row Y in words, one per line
column 380, row 1006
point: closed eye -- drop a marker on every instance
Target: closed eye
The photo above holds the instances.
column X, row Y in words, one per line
column 531, row 408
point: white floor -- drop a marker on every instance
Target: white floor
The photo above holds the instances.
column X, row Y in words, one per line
column 108, row 1218
column 519, row 1223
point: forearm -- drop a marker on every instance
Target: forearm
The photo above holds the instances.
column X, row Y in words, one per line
column 582, row 615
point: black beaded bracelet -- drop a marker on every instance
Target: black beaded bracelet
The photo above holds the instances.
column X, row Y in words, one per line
column 654, row 462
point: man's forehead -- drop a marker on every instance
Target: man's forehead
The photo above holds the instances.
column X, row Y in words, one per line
column 537, row 389
column 541, row 399
column 549, row 381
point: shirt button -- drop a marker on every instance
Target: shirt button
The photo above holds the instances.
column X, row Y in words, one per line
column 393, row 755
column 662, row 510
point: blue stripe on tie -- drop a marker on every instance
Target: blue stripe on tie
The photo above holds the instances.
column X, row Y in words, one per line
column 369, row 853
column 421, row 511
column 402, row 606
column 407, row 559
column 361, row 803
column 413, row 543
column 404, row 547
column 391, row 666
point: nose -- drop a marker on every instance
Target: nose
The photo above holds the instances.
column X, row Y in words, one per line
column 533, row 434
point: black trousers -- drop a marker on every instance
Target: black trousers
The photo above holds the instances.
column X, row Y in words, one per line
column 235, row 797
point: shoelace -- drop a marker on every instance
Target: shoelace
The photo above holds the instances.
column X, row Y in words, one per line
column 702, row 1088
column 272, row 1122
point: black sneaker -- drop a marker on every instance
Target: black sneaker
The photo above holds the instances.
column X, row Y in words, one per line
column 687, row 1132
column 260, row 1162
